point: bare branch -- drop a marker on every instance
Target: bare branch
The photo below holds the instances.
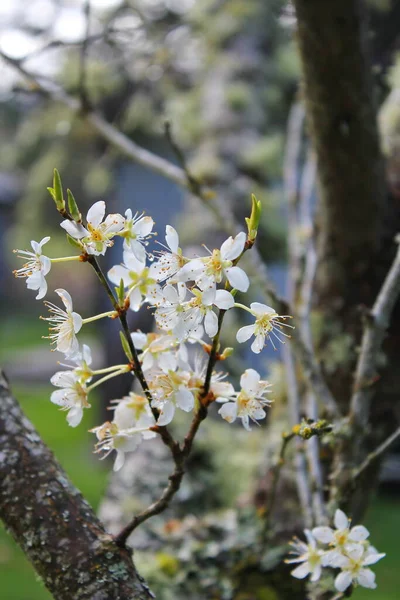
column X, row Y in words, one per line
column 377, row 453
column 50, row 520
column 376, row 325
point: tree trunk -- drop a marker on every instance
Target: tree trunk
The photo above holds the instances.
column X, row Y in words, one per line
column 51, row 521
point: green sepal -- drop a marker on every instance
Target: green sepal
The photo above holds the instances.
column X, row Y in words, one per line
column 73, row 208
column 57, row 192
column 125, row 346
column 75, row 243
column 254, row 220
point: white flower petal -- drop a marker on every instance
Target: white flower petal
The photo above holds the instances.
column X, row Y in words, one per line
column 373, row 558
column 166, row 413
column 114, row 223
column 172, row 239
column 359, row 533
column 323, row 534
column 135, row 299
column 118, row 272
column 209, row 295
column 211, row 323
column 75, row 230
column 237, row 278
column 77, row 321
column 191, row 270
column 260, row 309
column 228, row 411
column 96, row 213
column 66, row 298
column 258, row 344
column 301, row 571
column 143, row 226
column 249, row 381
column 343, row 580
column 316, row 574
column 138, row 250
column 184, row 399
column 74, row 416
column 223, row 299
column 366, row 578
column 119, row 461
column 245, row 333
column 341, row 521
column 233, row 247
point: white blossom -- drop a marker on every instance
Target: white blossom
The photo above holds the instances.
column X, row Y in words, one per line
column 250, row 401
column 342, row 537
column 138, row 279
column 200, row 308
column 170, row 303
column 36, row 268
column 268, row 323
column 169, row 263
column 98, row 234
column 71, row 397
column 207, row 272
column 66, row 324
column 132, row 423
column 81, row 364
column 308, row 555
column 354, row 568
column 158, row 351
column 170, row 390
column 136, row 231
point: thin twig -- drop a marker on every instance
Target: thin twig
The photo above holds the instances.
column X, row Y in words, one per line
column 376, row 325
column 375, row 454
column 82, row 87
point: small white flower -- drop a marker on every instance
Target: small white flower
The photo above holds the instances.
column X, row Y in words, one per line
column 138, row 278
column 136, row 231
column 112, row 438
column 250, row 401
column 66, row 324
column 268, row 323
column 170, row 390
column 82, row 361
column 169, row 263
column 98, row 234
column 132, row 422
column 170, row 303
column 36, row 268
column 353, row 568
column 201, row 307
column 342, row 537
column 157, row 351
column 72, row 397
column 208, row 271
column 307, row 554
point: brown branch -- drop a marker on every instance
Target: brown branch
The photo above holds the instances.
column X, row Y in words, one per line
column 376, row 325
column 51, row 521
column 377, row 453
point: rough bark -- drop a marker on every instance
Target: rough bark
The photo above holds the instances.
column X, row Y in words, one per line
column 342, row 118
column 51, row 521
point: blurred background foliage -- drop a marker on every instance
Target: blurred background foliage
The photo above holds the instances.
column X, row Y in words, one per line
column 224, row 73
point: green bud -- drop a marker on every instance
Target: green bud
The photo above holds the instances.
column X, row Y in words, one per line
column 73, row 208
column 254, row 220
column 120, row 291
column 125, row 346
column 57, row 192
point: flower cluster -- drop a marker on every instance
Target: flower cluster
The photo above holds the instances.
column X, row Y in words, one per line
column 346, row 548
column 189, row 297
